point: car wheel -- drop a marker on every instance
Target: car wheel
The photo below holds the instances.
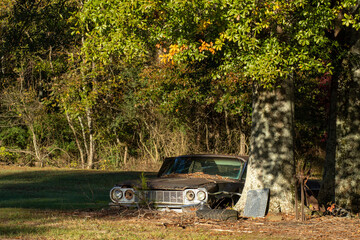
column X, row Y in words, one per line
column 218, row 214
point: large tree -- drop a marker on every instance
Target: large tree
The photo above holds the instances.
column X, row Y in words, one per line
column 184, row 57
column 269, row 44
column 341, row 169
column 347, row 189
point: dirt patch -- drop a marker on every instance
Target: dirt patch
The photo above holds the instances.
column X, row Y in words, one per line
column 272, row 226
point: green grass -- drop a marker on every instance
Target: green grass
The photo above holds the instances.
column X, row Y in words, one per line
column 36, row 224
column 69, row 204
column 59, row 189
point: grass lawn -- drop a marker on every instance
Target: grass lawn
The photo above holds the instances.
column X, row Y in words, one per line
column 73, row 204
column 35, row 224
column 58, row 189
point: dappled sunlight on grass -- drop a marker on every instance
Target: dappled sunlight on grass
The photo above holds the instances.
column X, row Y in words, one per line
column 35, row 224
column 68, row 204
column 65, row 204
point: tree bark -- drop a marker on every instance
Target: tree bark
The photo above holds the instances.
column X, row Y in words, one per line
column 327, row 190
column 91, row 155
column 347, row 167
column 125, row 155
column 35, row 144
column 82, row 159
column 84, row 136
column 271, row 163
column 342, row 166
column 243, row 146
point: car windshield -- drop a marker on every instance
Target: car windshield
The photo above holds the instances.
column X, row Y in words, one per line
column 225, row 167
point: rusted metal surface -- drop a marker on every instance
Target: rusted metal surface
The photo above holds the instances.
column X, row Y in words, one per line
column 212, row 183
column 196, row 175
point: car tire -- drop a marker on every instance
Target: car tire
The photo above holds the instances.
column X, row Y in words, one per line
column 217, row 214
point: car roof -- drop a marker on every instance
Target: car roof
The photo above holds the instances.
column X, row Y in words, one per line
column 242, row 158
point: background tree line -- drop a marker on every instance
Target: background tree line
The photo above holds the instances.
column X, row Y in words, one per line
column 74, row 93
column 106, row 84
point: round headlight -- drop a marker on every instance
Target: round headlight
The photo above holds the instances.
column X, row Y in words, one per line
column 117, row 194
column 201, row 195
column 190, row 195
column 129, row 194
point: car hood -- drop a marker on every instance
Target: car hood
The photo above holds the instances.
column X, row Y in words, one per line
column 182, row 183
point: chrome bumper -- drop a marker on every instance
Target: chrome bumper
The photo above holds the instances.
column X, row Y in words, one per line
column 165, row 207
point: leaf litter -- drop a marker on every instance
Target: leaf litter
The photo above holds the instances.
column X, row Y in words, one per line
column 273, row 225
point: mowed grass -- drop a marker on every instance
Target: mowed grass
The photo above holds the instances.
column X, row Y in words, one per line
column 68, row 204
column 35, row 224
column 58, row 189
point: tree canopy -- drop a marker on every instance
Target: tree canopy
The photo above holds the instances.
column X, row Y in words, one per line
column 100, row 83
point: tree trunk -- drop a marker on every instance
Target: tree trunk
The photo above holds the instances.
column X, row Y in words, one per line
column 35, row 144
column 243, row 147
column 271, row 163
column 84, row 136
column 347, row 168
column 342, row 165
column 125, row 155
column 82, row 159
column 228, row 133
column 327, row 190
column 91, row 148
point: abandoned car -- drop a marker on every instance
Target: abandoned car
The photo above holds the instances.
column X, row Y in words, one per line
column 187, row 182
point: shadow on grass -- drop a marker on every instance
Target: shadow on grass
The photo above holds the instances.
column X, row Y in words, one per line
column 11, row 231
column 60, row 189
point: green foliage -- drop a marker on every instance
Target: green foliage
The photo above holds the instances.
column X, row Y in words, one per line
column 3, row 153
column 132, row 73
column 33, row 37
column 261, row 41
column 114, row 30
column 14, row 136
column 143, row 181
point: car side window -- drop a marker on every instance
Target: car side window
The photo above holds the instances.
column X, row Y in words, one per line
column 243, row 177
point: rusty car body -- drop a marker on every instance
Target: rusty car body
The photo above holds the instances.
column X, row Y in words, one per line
column 187, row 182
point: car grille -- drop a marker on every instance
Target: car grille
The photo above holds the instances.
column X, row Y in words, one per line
column 168, row 197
